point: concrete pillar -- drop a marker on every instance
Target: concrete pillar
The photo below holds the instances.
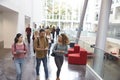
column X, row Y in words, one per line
column 81, row 20
column 101, row 35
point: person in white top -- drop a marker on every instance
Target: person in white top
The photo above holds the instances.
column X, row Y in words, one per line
column 49, row 37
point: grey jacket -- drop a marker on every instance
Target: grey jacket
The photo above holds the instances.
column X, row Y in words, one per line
column 57, row 47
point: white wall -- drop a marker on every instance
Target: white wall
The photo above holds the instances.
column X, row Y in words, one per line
column 14, row 18
column 1, row 27
column 9, row 28
column 22, row 6
column 21, row 23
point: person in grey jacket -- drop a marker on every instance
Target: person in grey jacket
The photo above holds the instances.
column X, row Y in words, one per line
column 60, row 49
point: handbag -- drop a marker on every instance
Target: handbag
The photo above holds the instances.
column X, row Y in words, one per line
column 52, row 41
column 53, row 53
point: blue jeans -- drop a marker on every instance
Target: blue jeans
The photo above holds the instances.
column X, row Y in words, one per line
column 19, row 65
column 44, row 60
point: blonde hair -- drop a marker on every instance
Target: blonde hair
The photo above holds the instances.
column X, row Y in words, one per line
column 47, row 32
column 36, row 33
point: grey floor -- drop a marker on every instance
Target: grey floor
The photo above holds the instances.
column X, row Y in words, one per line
column 68, row 72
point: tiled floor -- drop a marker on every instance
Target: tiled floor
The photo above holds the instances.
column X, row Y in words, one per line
column 68, row 72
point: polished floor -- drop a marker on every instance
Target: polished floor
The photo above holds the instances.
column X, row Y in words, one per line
column 68, row 72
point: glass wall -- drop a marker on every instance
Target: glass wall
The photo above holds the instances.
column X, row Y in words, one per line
column 63, row 13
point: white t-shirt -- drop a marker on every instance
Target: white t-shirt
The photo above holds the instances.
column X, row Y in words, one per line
column 49, row 37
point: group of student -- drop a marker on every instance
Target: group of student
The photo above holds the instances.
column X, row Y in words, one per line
column 41, row 44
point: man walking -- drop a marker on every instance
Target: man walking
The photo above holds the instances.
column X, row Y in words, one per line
column 41, row 48
column 28, row 32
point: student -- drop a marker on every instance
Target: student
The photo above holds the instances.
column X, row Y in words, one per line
column 41, row 48
column 28, row 33
column 19, row 51
column 53, row 32
column 57, row 31
column 35, row 36
column 60, row 49
column 49, row 37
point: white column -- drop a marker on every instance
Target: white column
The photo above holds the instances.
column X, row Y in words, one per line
column 21, row 24
column 101, row 35
column 59, row 15
column 81, row 20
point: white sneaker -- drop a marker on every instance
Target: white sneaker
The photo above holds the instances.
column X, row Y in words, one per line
column 37, row 78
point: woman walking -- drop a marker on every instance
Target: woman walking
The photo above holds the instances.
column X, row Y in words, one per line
column 49, row 38
column 19, row 52
column 60, row 49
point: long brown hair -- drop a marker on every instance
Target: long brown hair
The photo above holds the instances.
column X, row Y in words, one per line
column 65, row 39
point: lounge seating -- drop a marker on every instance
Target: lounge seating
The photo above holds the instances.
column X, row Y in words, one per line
column 77, row 55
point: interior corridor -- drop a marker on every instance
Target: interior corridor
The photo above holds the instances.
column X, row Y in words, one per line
column 68, row 72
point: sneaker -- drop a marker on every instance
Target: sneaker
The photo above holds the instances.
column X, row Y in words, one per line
column 37, row 78
column 47, row 79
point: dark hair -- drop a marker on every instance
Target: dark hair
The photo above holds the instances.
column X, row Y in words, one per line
column 42, row 30
column 16, row 38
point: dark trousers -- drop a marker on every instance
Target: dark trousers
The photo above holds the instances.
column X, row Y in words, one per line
column 57, row 34
column 28, row 38
column 59, row 62
column 44, row 60
column 53, row 34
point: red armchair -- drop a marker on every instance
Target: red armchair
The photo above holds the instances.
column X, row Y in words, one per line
column 75, row 49
column 78, row 56
column 70, row 50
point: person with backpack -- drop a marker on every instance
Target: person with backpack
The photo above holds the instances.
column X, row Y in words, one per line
column 59, row 50
column 19, row 51
column 41, row 47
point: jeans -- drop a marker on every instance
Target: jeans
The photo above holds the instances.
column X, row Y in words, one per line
column 19, row 66
column 59, row 62
column 44, row 60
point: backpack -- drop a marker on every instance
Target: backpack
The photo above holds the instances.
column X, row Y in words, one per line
column 38, row 44
column 15, row 49
column 15, row 46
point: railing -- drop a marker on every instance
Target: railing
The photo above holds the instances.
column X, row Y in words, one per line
column 110, row 62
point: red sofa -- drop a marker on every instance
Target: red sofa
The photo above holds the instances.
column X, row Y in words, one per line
column 77, row 55
column 75, row 49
